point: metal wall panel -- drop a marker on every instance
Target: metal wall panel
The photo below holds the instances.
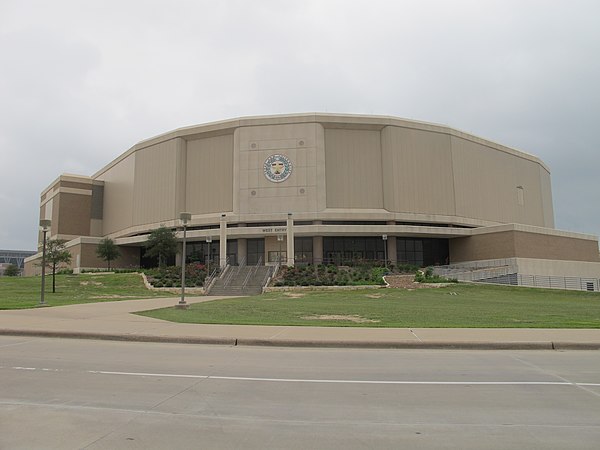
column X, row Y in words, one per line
column 486, row 181
column 417, row 171
column 546, row 192
column 209, row 175
column 353, row 168
column 154, row 191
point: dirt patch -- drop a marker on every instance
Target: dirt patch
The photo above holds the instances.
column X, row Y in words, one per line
column 294, row 294
column 374, row 295
column 408, row 282
column 355, row 318
column 114, row 296
column 87, row 283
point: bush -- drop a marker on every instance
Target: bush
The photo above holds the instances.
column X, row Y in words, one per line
column 321, row 275
column 12, row 270
column 170, row 276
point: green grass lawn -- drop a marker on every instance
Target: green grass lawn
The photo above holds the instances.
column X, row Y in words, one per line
column 472, row 306
column 24, row 292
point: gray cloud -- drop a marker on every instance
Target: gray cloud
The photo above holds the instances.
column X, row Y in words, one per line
column 83, row 81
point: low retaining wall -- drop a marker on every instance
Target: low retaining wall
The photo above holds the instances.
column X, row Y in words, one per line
column 173, row 290
column 323, row 288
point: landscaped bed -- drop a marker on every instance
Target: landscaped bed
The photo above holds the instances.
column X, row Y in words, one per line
column 458, row 305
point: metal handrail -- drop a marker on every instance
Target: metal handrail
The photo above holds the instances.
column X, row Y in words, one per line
column 252, row 272
column 234, row 272
column 210, row 280
column 270, row 275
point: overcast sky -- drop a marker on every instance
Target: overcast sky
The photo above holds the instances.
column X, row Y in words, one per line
column 82, row 81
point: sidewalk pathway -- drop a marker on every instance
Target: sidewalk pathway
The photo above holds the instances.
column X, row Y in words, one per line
column 113, row 320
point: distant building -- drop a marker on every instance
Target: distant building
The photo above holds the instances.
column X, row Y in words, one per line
column 16, row 257
column 324, row 188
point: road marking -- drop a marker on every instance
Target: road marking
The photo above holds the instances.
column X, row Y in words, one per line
column 305, row 380
column 323, row 381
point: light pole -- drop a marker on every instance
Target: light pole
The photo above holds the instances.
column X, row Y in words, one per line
column 280, row 240
column 209, row 242
column 384, row 237
column 45, row 225
column 184, row 217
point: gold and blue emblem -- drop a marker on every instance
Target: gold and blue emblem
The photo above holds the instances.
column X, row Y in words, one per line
column 277, row 168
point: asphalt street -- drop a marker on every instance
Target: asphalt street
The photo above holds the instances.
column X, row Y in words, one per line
column 86, row 394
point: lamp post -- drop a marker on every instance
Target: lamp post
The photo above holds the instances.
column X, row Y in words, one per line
column 280, row 240
column 209, row 242
column 45, row 225
column 184, row 217
column 384, row 237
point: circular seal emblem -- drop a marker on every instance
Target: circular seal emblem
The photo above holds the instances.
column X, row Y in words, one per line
column 277, row 168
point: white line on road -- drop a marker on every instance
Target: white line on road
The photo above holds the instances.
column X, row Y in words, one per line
column 308, row 380
column 304, row 380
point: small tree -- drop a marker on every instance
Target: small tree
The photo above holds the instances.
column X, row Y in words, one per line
column 56, row 253
column 12, row 270
column 161, row 243
column 107, row 250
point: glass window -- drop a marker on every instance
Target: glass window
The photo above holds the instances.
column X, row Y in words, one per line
column 256, row 251
column 277, row 257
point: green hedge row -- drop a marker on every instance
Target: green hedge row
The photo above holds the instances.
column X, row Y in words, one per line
column 170, row 276
column 321, row 275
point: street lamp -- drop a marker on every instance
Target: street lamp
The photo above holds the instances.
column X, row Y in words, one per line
column 209, row 242
column 280, row 240
column 184, row 217
column 384, row 237
column 45, row 225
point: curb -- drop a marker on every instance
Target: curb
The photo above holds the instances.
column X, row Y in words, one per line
column 441, row 345
column 121, row 337
column 289, row 343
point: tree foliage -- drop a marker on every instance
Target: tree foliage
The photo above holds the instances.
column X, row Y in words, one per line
column 161, row 243
column 12, row 270
column 56, row 253
column 108, row 251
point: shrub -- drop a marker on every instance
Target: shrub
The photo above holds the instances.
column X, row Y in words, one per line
column 12, row 270
column 170, row 276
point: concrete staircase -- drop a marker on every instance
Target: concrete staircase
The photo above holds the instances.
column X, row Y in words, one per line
column 241, row 280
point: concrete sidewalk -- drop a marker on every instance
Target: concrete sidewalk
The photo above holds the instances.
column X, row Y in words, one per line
column 114, row 321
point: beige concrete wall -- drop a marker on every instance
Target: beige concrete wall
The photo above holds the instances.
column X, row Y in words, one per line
column 303, row 191
column 83, row 255
column 209, row 175
column 509, row 244
column 154, row 191
column 96, row 227
column 481, row 247
column 31, row 268
column 541, row 246
column 353, row 163
column 74, row 214
column 273, row 245
column 345, row 168
column 118, row 195
column 486, row 181
column 555, row 268
column 75, row 185
column 130, row 257
column 417, row 171
column 547, row 204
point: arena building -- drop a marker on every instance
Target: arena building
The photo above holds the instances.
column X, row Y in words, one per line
column 314, row 188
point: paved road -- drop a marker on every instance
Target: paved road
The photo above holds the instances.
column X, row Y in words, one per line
column 73, row 394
